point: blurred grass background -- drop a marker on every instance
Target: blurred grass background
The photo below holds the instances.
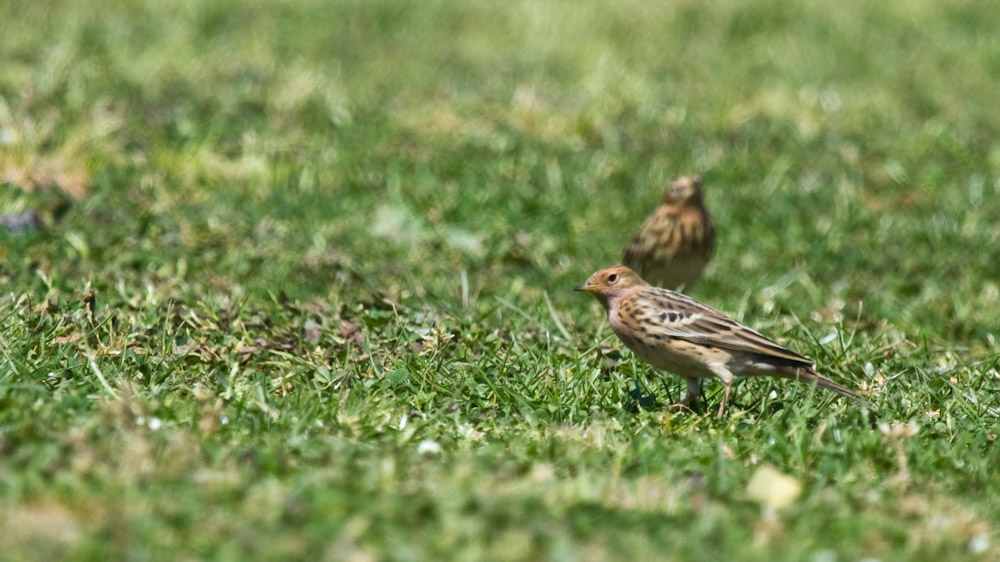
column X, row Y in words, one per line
column 299, row 286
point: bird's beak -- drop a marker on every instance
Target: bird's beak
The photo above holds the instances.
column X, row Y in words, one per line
column 584, row 287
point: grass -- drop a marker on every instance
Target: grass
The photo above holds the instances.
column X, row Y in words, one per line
column 300, row 284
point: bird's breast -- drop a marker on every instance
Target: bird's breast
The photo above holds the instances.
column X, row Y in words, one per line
column 661, row 350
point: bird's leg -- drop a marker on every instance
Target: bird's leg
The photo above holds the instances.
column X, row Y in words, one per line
column 720, row 370
column 690, row 400
column 725, row 398
column 693, row 392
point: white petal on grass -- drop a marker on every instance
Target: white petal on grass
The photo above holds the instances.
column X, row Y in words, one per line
column 398, row 224
column 979, row 543
column 428, row 447
column 825, row 556
column 772, row 488
column 464, row 240
column 830, row 100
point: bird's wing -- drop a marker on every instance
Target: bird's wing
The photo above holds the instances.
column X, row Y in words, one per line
column 656, row 230
column 631, row 257
column 638, row 247
column 709, row 234
column 678, row 316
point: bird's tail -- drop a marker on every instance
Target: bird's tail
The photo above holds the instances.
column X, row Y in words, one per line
column 808, row 375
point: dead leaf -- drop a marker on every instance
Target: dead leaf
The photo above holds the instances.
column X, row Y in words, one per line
column 247, row 351
column 311, row 331
column 351, row 331
column 268, row 345
column 67, row 339
column 196, row 350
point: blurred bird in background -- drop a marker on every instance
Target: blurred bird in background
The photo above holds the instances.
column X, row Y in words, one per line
column 677, row 240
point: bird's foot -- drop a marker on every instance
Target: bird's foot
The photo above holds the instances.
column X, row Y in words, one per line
column 688, row 404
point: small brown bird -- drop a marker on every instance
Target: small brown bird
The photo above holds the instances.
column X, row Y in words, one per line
column 676, row 242
column 675, row 333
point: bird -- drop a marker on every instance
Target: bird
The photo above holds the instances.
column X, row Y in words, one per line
column 676, row 333
column 677, row 240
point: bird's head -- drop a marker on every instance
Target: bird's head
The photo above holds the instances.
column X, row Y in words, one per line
column 685, row 190
column 611, row 283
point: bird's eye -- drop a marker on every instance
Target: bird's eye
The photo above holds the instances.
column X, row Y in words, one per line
column 612, row 278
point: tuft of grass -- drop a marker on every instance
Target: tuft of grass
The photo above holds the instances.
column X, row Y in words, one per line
column 299, row 283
